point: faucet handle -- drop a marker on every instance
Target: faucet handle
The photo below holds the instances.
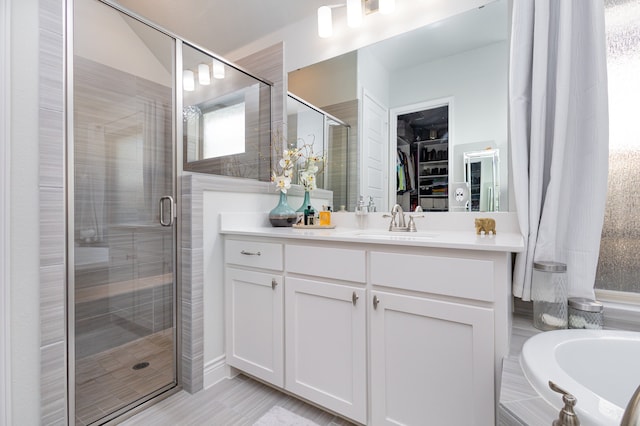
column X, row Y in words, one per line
column 412, row 223
column 567, row 416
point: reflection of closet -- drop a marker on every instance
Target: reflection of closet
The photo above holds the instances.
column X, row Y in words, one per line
column 433, row 174
column 424, row 133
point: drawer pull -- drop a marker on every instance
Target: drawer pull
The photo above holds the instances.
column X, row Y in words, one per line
column 354, row 298
column 375, row 302
column 250, row 253
column 274, row 283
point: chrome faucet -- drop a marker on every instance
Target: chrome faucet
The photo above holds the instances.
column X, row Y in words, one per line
column 397, row 222
column 631, row 415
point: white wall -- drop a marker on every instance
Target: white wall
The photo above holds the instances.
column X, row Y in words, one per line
column 24, row 220
column 373, row 77
column 327, row 83
column 478, row 82
column 5, row 311
column 103, row 28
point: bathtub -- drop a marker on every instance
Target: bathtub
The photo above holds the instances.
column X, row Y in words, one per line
column 601, row 368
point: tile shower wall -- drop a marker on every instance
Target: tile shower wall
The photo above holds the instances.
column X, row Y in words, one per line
column 53, row 363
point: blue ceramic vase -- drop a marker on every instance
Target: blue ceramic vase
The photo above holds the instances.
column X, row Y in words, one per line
column 282, row 214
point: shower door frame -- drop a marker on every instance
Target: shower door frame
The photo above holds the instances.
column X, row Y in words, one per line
column 176, row 163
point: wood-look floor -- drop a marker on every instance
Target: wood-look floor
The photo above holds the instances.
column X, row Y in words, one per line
column 237, row 401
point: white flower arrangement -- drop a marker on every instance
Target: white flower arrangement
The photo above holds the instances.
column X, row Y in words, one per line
column 301, row 158
column 282, row 177
column 311, row 168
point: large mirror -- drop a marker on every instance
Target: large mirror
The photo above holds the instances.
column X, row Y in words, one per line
column 462, row 60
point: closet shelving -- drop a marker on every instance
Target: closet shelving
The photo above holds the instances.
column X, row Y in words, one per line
column 432, row 171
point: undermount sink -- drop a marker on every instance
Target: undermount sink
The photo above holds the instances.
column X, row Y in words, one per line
column 396, row 235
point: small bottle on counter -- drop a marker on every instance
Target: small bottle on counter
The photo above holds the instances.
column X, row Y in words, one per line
column 309, row 216
column 325, row 216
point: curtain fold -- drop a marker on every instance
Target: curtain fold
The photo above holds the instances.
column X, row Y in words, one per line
column 559, row 137
column 90, row 185
column 155, row 179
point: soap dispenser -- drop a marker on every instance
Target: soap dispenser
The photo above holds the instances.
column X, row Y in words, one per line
column 361, row 213
column 372, row 205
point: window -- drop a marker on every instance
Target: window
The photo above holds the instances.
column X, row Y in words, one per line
column 619, row 262
column 224, row 131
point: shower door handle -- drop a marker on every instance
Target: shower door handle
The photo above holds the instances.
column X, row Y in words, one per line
column 163, row 201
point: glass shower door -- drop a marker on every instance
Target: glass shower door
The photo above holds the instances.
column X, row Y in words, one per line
column 123, row 279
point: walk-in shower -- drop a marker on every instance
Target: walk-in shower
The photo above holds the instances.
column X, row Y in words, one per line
column 132, row 89
column 123, row 234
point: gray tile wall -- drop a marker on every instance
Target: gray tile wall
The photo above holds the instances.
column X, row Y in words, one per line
column 53, row 361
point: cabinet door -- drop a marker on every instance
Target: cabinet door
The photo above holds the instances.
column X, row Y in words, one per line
column 254, row 329
column 431, row 362
column 326, row 345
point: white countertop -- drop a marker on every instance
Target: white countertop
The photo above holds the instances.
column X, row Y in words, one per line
column 438, row 234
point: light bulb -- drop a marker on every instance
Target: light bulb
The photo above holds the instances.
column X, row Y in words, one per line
column 325, row 23
column 386, row 6
column 218, row 70
column 188, row 81
column 354, row 13
column 203, row 74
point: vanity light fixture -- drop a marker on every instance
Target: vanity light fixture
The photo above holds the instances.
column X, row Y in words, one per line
column 188, row 81
column 354, row 13
column 386, row 7
column 204, row 78
column 356, row 9
column 325, row 22
column 218, row 70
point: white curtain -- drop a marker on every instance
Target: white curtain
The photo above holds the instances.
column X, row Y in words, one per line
column 90, row 185
column 559, row 136
column 156, row 168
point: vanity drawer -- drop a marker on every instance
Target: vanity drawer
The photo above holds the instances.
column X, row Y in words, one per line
column 328, row 262
column 255, row 254
column 449, row 276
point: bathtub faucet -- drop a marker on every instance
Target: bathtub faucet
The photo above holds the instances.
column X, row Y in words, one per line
column 631, row 415
column 567, row 416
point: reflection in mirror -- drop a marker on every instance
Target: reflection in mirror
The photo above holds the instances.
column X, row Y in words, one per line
column 226, row 118
column 422, row 166
column 464, row 58
column 327, row 136
column 481, row 173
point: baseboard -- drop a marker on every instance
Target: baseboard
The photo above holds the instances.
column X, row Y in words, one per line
column 217, row 370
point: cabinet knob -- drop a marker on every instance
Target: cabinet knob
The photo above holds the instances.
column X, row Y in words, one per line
column 250, row 253
column 274, row 283
column 354, row 298
column 375, row 302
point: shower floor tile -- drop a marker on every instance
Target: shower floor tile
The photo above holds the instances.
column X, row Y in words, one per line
column 106, row 381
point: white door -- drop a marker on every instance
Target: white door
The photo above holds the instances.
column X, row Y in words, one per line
column 326, row 345
column 431, row 362
column 254, row 339
column 374, row 168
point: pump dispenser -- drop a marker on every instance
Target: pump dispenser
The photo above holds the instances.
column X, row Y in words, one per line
column 361, row 213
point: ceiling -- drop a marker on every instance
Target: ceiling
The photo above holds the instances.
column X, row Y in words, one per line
column 209, row 23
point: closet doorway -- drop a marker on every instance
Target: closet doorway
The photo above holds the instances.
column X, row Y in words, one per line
column 423, row 164
column 122, row 238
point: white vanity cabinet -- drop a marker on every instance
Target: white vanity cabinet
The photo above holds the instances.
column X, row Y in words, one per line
column 325, row 328
column 254, row 297
column 432, row 355
column 380, row 333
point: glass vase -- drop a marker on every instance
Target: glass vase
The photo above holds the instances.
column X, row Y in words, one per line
column 282, row 214
column 306, row 202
